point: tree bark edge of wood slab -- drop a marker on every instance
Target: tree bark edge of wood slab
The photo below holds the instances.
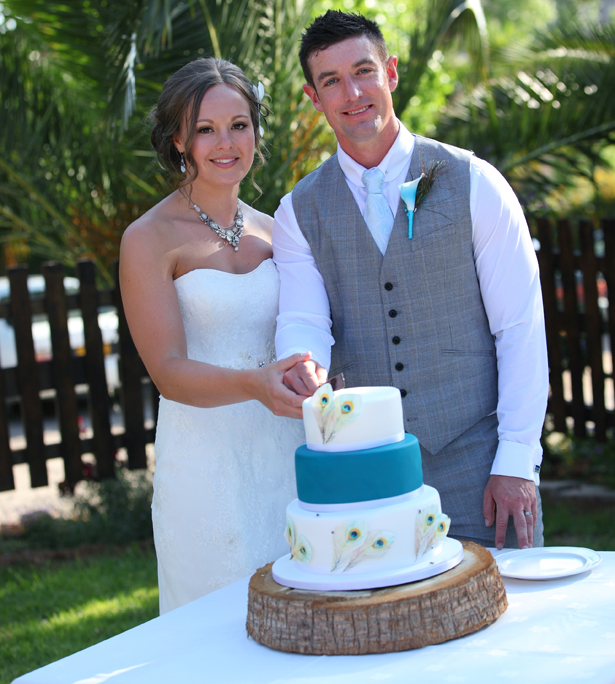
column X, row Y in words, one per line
column 447, row 606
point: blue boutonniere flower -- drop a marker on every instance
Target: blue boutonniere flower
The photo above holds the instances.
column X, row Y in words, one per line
column 414, row 192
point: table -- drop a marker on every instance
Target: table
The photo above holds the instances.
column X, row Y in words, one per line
column 553, row 631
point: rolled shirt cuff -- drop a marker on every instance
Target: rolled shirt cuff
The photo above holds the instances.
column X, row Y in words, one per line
column 285, row 353
column 517, row 460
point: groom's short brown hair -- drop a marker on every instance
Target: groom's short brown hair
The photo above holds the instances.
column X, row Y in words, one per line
column 333, row 27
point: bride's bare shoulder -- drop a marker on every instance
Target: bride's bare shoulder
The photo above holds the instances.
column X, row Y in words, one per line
column 155, row 228
column 257, row 219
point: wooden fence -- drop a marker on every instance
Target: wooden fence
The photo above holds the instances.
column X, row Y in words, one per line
column 577, row 267
column 577, row 270
column 62, row 373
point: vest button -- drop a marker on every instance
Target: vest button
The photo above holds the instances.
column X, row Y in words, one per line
column 396, row 339
column 392, row 313
column 399, row 366
column 388, row 286
column 403, row 393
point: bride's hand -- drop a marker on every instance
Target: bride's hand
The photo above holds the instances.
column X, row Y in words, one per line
column 271, row 391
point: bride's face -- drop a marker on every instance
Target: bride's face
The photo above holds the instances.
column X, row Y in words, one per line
column 223, row 142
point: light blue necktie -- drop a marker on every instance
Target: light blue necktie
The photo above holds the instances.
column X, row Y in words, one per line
column 378, row 215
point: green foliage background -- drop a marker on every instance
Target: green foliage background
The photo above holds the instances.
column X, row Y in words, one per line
column 526, row 84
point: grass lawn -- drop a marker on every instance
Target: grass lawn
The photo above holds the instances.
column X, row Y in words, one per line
column 51, row 610
column 579, row 522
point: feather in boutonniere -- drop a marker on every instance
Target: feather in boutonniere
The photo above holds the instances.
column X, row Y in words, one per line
column 414, row 192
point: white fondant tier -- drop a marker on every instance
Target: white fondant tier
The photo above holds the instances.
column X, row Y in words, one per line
column 381, row 540
column 436, row 561
column 353, row 419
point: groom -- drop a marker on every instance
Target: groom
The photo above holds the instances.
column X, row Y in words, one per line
column 450, row 312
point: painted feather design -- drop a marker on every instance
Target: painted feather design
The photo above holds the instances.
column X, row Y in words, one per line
column 430, row 527
column 443, row 525
column 323, row 404
column 375, row 546
column 347, row 410
column 289, row 533
column 334, row 413
column 300, row 549
column 346, row 538
column 425, row 519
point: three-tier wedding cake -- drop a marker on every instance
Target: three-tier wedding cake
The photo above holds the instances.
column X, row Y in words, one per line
column 363, row 518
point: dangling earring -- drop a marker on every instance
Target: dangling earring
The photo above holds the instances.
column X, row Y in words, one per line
column 182, row 163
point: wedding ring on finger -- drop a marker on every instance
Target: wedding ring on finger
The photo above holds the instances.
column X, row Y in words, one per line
column 527, row 512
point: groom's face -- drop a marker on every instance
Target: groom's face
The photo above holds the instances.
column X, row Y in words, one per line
column 352, row 86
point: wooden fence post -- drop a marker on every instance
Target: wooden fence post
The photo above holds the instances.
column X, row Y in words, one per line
column 95, row 370
column 64, row 376
column 6, row 457
column 571, row 319
column 131, row 370
column 27, row 374
column 557, row 404
column 608, row 228
column 593, row 327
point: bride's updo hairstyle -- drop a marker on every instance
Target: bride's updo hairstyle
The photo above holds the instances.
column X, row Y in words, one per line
column 179, row 104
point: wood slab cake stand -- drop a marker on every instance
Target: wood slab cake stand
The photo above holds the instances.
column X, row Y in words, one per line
column 453, row 604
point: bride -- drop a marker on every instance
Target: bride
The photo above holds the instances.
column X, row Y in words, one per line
column 200, row 291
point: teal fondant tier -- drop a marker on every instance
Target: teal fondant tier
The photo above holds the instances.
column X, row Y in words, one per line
column 365, row 475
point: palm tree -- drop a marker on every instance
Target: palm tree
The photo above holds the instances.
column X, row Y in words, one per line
column 92, row 71
column 78, row 79
column 546, row 114
column 58, row 172
column 439, row 25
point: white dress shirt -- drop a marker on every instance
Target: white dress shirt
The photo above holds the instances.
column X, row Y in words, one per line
column 508, row 277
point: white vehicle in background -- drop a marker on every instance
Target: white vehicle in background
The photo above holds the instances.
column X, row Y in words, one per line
column 107, row 321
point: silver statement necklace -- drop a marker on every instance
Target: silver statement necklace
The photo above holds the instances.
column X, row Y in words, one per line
column 230, row 234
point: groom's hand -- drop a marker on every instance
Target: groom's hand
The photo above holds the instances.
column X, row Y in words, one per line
column 305, row 377
column 505, row 496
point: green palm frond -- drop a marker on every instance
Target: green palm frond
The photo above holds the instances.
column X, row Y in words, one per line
column 564, row 44
column 438, row 24
column 549, row 116
column 78, row 78
column 74, row 72
column 60, row 173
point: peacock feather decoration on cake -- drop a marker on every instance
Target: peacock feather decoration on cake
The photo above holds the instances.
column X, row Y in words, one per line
column 375, row 546
column 300, row 549
column 334, row 413
column 352, row 543
column 431, row 527
column 346, row 538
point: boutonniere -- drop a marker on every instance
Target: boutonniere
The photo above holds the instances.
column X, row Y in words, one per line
column 414, row 192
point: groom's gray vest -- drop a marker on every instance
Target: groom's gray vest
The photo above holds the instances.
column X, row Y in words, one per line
column 413, row 319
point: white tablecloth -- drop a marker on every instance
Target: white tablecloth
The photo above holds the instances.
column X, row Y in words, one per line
column 553, row 631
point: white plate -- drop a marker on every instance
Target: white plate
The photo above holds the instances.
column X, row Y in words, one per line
column 434, row 562
column 550, row 562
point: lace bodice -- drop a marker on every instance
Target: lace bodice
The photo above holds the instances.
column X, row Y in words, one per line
column 229, row 318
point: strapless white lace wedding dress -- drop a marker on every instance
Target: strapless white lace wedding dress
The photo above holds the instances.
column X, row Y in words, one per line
column 225, row 475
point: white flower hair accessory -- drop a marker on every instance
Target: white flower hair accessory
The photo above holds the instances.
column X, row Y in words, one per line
column 259, row 94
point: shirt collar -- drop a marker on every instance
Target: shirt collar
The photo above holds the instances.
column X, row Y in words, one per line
column 392, row 164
